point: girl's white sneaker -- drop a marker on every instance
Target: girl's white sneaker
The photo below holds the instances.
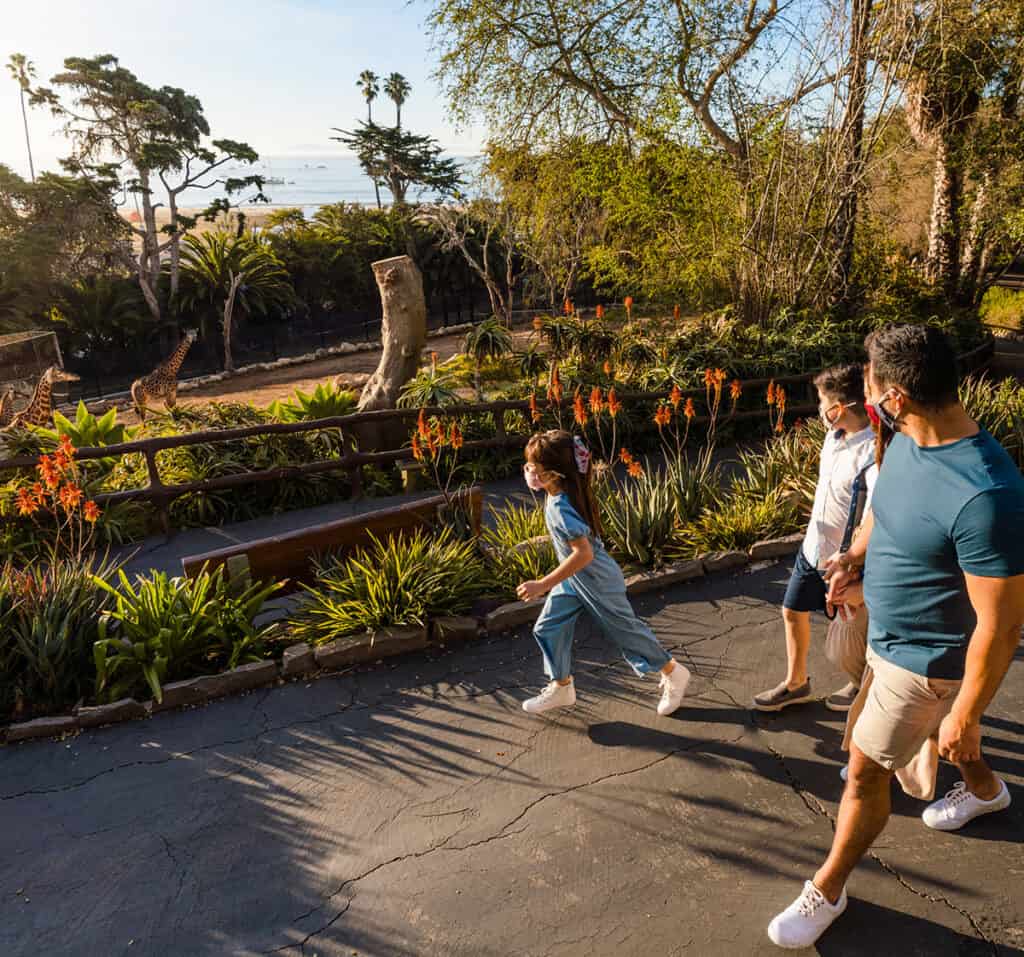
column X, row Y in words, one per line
column 673, row 689
column 553, row 696
column 959, row 806
column 806, row 919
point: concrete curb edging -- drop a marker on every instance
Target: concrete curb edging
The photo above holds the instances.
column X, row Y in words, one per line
column 301, row 660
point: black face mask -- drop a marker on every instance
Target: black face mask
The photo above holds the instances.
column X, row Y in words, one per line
column 877, row 413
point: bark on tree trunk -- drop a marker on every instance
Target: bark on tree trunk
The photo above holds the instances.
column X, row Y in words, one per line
column 229, row 307
column 943, row 235
column 403, row 335
column 973, row 242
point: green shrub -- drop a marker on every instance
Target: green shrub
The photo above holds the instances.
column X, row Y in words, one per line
column 324, row 402
column 639, row 518
column 49, row 619
column 693, row 486
column 400, row 581
column 88, row 431
column 509, row 567
column 430, row 387
column 1000, row 410
column 165, row 629
column 1003, row 307
column 514, row 524
column 737, row 522
column 787, row 463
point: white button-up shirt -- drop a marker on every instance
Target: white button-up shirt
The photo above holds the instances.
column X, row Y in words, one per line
column 843, row 456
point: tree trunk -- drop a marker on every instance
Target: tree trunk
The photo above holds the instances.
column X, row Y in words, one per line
column 942, row 265
column 973, row 243
column 28, row 142
column 851, row 160
column 403, row 334
column 229, row 308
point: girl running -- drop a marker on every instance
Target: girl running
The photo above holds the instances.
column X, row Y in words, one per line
column 587, row 579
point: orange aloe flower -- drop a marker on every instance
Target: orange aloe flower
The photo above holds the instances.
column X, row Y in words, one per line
column 735, row 389
column 417, row 447
column 534, row 411
column 614, row 405
column 596, row 400
column 432, row 444
column 91, row 511
column 567, row 307
column 663, row 416
column 27, row 504
column 635, row 469
column 624, row 457
column 39, row 492
column 599, row 311
column 421, row 425
column 70, row 497
column 628, row 303
column 66, row 446
column 556, row 385
column 61, row 460
column 675, row 396
column 579, row 410
column 538, row 323
column 456, row 436
column 780, row 399
column 771, row 393
column 675, row 313
column 607, row 367
column 688, row 410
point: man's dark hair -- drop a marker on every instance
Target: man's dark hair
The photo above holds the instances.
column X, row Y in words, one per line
column 845, row 383
column 919, row 360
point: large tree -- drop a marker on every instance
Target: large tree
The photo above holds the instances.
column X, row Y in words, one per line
column 156, row 142
column 23, row 72
column 397, row 88
column 401, row 159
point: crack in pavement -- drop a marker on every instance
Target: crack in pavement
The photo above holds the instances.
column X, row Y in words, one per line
column 503, row 833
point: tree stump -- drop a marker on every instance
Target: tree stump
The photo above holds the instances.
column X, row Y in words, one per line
column 403, row 335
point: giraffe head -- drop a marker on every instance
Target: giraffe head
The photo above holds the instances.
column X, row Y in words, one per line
column 57, row 374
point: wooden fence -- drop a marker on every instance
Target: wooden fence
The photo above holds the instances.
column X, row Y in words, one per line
column 351, row 460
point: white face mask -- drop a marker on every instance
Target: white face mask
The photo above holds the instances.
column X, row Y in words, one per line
column 838, row 408
column 532, row 478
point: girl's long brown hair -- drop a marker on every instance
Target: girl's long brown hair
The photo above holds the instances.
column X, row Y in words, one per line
column 883, row 434
column 555, row 452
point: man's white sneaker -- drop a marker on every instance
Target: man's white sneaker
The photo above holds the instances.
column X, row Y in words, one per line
column 806, row 919
column 553, row 696
column 673, row 689
column 960, row 806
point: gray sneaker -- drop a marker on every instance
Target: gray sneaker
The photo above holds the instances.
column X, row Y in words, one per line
column 781, row 697
column 842, row 700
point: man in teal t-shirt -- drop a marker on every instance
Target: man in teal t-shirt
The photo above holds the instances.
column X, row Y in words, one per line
column 944, row 586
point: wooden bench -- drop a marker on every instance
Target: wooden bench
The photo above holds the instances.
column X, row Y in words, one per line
column 291, row 556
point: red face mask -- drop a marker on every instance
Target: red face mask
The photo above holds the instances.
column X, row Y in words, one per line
column 872, row 414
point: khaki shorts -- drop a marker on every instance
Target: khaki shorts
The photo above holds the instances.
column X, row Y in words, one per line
column 900, row 714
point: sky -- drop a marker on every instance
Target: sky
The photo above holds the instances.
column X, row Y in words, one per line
column 277, row 74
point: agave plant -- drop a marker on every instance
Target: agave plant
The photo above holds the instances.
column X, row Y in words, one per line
column 164, row 629
column 489, row 339
column 737, row 522
column 430, row 388
column 639, row 518
column 324, row 402
column 399, row 581
column 695, row 485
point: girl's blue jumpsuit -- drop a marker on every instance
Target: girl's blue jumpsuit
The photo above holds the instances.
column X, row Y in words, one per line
column 599, row 589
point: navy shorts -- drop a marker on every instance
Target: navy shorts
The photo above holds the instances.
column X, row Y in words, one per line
column 807, row 589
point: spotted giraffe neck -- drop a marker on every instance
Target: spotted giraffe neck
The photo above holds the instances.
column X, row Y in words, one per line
column 176, row 358
column 40, row 406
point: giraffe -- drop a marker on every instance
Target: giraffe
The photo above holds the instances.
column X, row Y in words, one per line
column 39, row 410
column 6, row 408
column 162, row 382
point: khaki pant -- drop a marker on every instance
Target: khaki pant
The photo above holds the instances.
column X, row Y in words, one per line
column 846, row 644
column 895, row 722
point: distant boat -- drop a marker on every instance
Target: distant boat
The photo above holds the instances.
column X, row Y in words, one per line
column 322, row 166
column 274, row 181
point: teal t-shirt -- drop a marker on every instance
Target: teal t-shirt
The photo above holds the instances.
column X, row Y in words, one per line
column 939, row 512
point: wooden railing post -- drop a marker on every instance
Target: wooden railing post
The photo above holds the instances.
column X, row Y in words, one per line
column 156, row 486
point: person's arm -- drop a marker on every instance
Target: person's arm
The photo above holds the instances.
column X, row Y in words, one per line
column 842, row 570
column 582, row 555
column 999, row 605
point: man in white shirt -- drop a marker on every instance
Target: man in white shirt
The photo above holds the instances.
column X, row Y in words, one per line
column 847, row 452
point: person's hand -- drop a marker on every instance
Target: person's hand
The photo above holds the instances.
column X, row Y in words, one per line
column 527, row 591
column 959, row 740
column 832, row 565
column 840, row 583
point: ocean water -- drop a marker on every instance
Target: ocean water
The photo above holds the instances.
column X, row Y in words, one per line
column 308, row 182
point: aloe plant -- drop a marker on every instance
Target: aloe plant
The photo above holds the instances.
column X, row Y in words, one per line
column 737, row 522
column 165, row 629
column 88, row 431
column 324, row 402
column 514, row 524
column 487, row 340
column 400, row 581
column 509, row 567
column 639, row 518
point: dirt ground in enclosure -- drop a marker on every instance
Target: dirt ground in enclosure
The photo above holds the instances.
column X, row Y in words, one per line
column 262, row 388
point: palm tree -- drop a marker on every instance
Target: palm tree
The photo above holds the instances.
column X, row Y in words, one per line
column 369, row 84
column 489, row 340
column 23, row 71
column 222, row 269
column 397, row 88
